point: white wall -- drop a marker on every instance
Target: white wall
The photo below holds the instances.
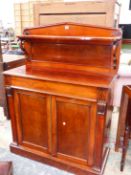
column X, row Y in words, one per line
column 125, row 17
column 6, row 11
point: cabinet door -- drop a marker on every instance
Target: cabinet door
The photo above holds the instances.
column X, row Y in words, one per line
column 73, row 129
column 33, row 119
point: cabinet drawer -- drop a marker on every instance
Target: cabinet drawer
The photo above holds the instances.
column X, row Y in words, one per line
column 54, row 88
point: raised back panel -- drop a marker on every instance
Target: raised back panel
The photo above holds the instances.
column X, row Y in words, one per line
column 73, row 54
column 78, row 46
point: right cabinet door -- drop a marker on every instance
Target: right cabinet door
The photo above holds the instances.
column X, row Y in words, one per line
column 73, row 129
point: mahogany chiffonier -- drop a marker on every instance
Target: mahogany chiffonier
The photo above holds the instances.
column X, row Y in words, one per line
column 60, row 103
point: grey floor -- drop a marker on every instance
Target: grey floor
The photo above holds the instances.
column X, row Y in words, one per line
column 24, row 166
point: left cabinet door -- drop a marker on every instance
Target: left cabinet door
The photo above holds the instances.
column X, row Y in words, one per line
column 32, row 113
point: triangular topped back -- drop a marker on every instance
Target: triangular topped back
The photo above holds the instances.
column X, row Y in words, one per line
column 72, row 47
column 73, row 29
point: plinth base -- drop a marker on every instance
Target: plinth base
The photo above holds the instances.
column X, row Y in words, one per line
column 61, row 164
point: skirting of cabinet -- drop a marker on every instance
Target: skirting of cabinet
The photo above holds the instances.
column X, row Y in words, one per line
column 59, row 163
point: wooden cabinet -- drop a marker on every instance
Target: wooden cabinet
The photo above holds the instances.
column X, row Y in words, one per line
column 46, row 122
column 59, row 123
column 60, row 103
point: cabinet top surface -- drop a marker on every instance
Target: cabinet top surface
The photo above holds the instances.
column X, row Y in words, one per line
column 77, row 78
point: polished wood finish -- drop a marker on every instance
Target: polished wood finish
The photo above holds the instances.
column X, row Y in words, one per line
column 70, row 46
column 49, row 97
column 38, row 120
column 62, row 116
column 124, row 115
column 6, row 168
column 8, row 62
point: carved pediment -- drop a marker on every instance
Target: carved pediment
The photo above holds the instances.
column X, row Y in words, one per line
column 73, row 29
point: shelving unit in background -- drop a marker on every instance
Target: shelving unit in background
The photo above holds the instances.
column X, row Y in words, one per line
column 99, row 12
column 23, row 13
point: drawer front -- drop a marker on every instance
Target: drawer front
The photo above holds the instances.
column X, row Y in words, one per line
column 54, row 88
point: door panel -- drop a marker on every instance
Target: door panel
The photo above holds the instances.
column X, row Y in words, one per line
column 73, row 122
column 73, row 128
column 32, row 119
